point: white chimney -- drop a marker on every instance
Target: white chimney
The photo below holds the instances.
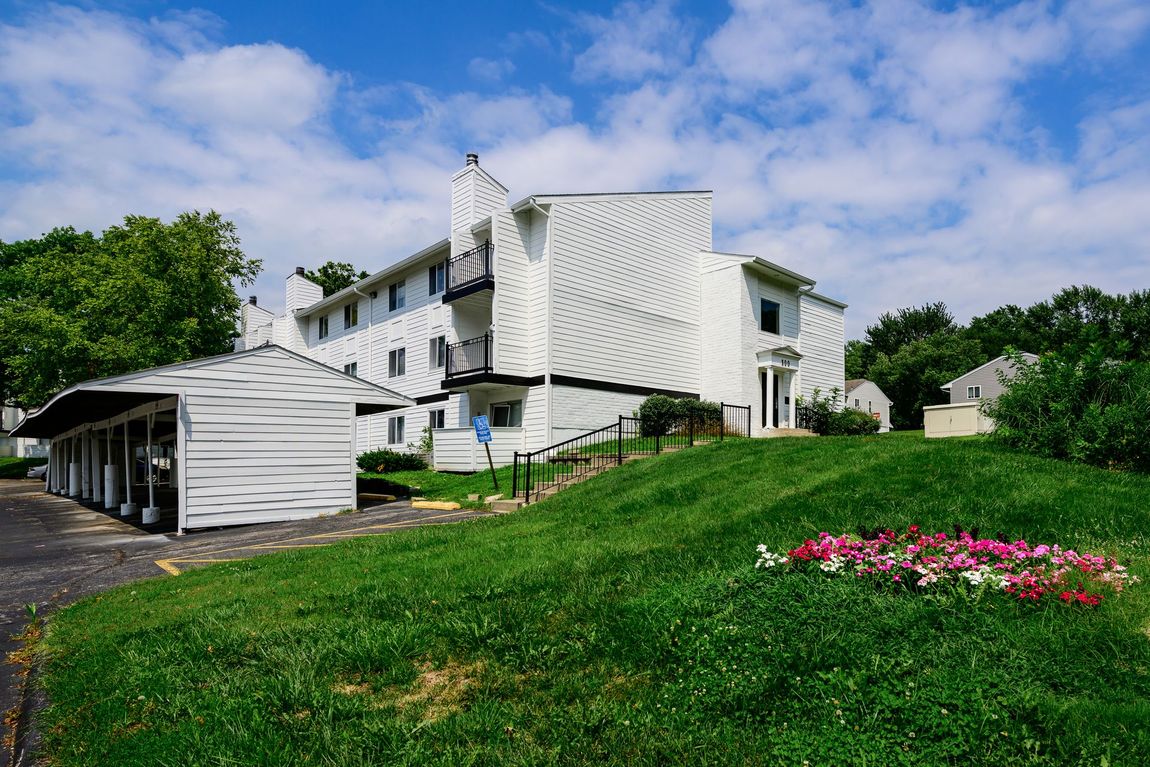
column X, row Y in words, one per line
column 475, row 195
column 301, row 292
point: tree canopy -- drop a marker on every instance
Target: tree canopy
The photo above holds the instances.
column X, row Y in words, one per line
column 334, row 276
column 74, row 306
column 910, row 353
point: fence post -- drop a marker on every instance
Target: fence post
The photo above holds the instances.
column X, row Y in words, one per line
column 619, row 435
column 691, row 430
column 658, row 443
column 515, row 476
column 722, row 420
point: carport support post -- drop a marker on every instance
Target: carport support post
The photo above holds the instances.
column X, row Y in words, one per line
column 73, row 471
column 111, row 492
column 127, row 509
column 152, row 512
column 85, row 467
column 97, row 484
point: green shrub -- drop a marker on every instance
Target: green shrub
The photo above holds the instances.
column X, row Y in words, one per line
column 660, row 415
column 1088, row 409
column 383, row 461
column 17, row 468
column 850, row 422
column 815, row 413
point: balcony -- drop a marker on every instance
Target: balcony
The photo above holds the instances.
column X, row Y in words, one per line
column 470, row 272
column 469, row 357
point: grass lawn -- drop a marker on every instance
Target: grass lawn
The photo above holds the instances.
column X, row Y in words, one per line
column 17, row 468
column 622, row 622
column 442, row 486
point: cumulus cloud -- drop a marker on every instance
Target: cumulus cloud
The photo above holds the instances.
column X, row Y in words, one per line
column 890, row 149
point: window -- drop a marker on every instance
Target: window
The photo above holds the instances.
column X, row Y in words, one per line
column 395, row 430
column 396, row 362
column 507, row 414
column 437, row 353
column 973, row 392
column 435, row 277
column 435, row 419
column 351, row 368
column 322, row 328
column 396, row 296
column 856, row 404
column 351, row 315
column 768, row 316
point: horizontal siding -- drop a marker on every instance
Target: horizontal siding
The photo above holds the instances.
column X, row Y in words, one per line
column 821, row 343
column 577, row 411
column 625, row 290
column 723, row 358
column 512, row 320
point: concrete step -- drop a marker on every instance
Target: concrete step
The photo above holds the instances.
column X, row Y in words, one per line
column 507, row 505
column 782, row 432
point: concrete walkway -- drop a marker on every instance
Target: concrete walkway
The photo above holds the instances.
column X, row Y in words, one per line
column 54, row 550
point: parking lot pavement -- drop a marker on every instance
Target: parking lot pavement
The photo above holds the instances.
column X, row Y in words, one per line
column 54, row 550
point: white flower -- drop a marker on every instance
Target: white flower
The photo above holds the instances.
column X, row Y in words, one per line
column 768, row 559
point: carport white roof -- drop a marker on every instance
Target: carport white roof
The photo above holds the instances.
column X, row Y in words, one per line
column 104, row 398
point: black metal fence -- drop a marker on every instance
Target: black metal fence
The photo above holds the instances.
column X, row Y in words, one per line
column 470, row 356
column 472, row 266
column 541, row 473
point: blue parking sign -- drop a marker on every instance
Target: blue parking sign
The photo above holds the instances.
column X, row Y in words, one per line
column 482, row 429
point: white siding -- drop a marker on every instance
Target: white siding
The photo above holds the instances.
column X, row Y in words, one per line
column 723, row 356
column 512, row 321
column 821, row 343
column 577, row 411
column 538, row 293
column 625, row 289
column 457, row 449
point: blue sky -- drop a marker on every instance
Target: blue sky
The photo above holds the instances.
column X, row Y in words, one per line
column 897, row 151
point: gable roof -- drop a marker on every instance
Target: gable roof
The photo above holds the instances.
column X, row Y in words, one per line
column 1031, row 358
column 102, row 398
column 853, row 384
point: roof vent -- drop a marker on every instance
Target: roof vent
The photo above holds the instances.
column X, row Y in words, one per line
column 300, row 271
column 252, row 300
column 472, row 158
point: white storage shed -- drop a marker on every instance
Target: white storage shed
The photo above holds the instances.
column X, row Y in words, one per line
column 260, row 435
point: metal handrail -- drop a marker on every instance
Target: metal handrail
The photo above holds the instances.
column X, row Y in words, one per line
column 470, row 267
column 465, row 356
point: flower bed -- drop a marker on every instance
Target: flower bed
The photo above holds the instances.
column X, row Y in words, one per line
column 920, row 560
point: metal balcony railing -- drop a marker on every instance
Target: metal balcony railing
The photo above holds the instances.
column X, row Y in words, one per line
column 471, row 268
column 470, row 356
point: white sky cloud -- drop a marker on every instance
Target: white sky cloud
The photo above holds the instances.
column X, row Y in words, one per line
column 886, row 149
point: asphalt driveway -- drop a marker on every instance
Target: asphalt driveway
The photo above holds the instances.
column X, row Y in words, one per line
column 54, row 550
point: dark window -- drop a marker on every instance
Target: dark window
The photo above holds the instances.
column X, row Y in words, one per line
column 435, row 278
column 395, row 430
column 507, row 414
column 437, row 352
column 351, row 315
column 973, row 392
column 351, row 368
column 396, row 362
column 322, row 328
column 435, row 418
column 769, row 319
column 396, row 296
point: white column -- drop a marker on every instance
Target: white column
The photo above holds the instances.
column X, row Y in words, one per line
column 770, row 397
column 791, row 386
column 127, row 509
column 111, row 478
column 74, row 473
column 173, row 456
column 152, row 512
column 97, row 484
column 85, row 467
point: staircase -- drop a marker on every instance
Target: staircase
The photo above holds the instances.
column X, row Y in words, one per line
column 777, row 432
column 542, row 473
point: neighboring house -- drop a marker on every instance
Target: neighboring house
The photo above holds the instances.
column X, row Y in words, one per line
column 982, row 382
column 556, row 314
column 964, row 416
column 18, row 447
column 864, row 395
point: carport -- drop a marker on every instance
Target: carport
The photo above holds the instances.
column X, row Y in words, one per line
column 260, row 435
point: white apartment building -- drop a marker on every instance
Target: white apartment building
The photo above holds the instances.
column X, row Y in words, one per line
column 557, row 313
